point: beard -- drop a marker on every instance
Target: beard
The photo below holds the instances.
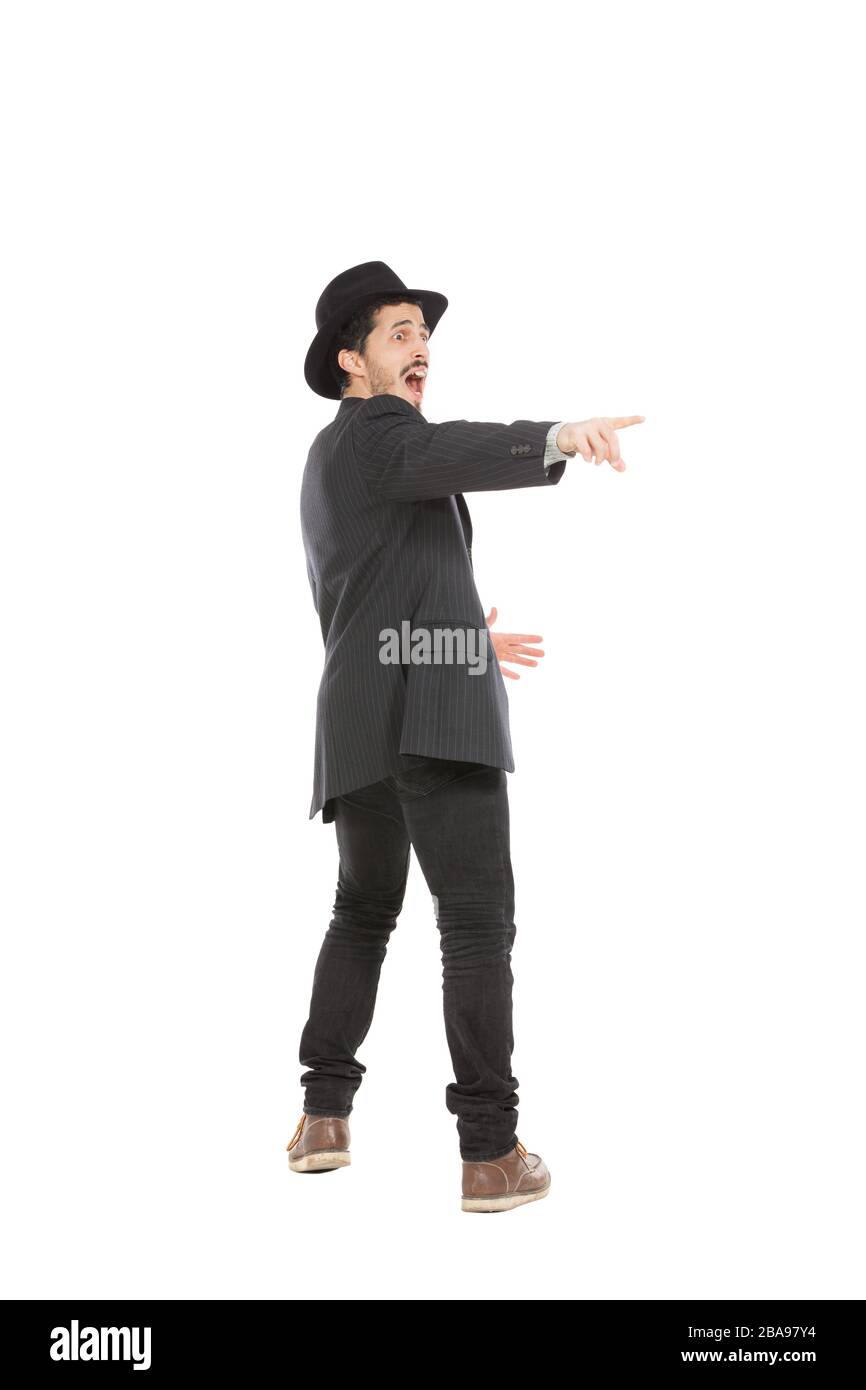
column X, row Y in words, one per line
column 384, row 382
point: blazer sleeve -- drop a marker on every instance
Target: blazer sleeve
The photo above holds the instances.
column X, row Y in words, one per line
column 402, row 457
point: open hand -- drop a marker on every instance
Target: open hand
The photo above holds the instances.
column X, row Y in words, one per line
column 511, row 646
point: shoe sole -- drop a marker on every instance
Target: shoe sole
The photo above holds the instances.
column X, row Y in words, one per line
column 321, row 1161
column 514, row 1199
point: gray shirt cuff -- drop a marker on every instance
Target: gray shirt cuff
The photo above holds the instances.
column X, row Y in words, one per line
column 551, row 453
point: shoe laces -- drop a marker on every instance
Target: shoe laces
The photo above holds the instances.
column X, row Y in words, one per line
column 297, row 1134
column 520, row 1149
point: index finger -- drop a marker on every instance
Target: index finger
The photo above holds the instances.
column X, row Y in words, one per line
column 619, row 422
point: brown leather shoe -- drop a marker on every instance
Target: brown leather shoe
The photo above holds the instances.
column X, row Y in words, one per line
column 320, row 1143
column 502, row 1183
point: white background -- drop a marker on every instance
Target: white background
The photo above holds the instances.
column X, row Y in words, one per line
column 635, row 209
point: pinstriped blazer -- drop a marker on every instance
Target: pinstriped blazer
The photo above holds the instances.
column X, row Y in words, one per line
column 388, row 538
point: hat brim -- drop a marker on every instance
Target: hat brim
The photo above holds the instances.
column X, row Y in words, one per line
column 322, row 373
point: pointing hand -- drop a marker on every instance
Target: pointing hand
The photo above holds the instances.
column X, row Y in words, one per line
column 596, row 437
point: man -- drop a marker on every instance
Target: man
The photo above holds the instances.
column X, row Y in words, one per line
column 412, row 753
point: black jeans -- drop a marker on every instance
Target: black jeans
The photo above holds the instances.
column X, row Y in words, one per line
column 455, row 816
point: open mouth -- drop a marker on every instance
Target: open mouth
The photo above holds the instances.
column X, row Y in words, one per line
column 415, row 385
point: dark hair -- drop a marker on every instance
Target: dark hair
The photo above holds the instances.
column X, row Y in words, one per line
column 355, row 332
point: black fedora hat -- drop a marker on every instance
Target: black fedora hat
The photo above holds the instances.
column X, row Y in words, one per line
column 338, row 301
